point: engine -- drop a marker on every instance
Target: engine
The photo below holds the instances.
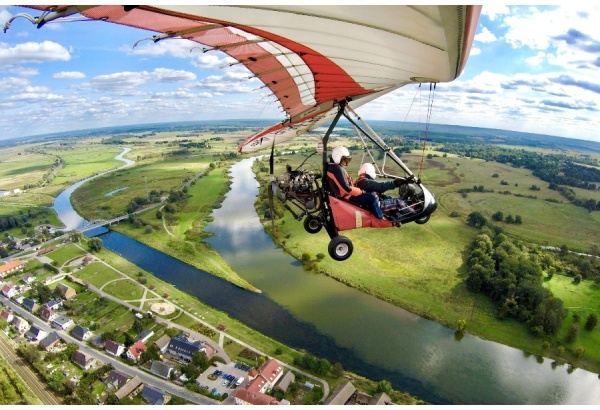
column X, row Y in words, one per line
column 297, row 183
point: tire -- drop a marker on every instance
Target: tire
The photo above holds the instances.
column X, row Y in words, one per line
column 423, row 220
column 312, row 224
column 340, row 248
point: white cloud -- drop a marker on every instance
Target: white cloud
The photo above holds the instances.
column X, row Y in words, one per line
column 12, row 84
column 32, row 53
column 485, row 36
column 536, row 60
column 119, row 81
column 492, row 11
column 168, row 75
column 69, row 75
column 24, row 71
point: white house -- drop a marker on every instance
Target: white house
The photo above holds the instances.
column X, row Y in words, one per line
column 20, row 324
column 62, row 323
column 10, row 290
column 114, row 348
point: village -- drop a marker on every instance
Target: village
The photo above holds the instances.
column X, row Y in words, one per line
column 164, row 362
column 49, row 326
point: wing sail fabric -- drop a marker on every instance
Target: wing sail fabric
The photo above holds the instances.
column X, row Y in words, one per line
column 312, row 56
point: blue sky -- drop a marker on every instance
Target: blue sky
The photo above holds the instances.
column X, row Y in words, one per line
column 532, row 69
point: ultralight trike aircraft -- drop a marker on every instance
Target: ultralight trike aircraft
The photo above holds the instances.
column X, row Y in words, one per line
column 320, row 63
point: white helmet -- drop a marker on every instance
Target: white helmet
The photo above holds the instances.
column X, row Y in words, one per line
column 367, row 168
column 338, row 153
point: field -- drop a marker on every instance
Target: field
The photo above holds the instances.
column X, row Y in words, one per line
column 65, row 254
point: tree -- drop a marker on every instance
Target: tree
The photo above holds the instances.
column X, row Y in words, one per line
column 384, row 386
column 498, row 216
column 337, row 370
column 476, row 219
column 572, row 334
column 95, row 244
column 591, row 321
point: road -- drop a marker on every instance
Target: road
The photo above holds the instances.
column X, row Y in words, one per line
column 30, row 376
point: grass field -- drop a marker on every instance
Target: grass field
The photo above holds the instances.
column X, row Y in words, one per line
column 97, row 274
column 65, row 253
column 20, row 166
column 124, row 289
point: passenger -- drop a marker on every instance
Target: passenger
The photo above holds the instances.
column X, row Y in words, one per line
column 389, row 205
column 341, row 185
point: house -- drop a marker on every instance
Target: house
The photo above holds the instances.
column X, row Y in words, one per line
column 54, row 304
column 62, row 322
column 114, row 348
column 7, row 316
column 380, row 399
column 117, row 379
column 155, row 396
column 161, row 369
column 82, row 360
column 163, row 343
column 341, row 395
column 28, row 279
column 10, row 290
column 285, row 382
column 182, row 348
column 48, row 314
column 50, row 341
column 66, row 292
column 11, row 267
column 133, row 387
column 254, row 392
column 81, row 333
column 20, row 324
column 135, row 350
column 35, row 334
column 46, row 250
column 145, row 335
column 30, row 305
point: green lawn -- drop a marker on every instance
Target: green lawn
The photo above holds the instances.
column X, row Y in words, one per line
column 65, row 253
column 124, row 289
column 97, row 274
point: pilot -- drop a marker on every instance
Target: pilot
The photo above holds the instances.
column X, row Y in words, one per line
column 389, row 205
column 341, row 185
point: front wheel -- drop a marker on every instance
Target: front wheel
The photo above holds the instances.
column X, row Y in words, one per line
column 312, row 224
column 340, row 248
column 422, row 220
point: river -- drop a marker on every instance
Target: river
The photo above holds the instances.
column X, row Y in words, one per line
column 334, row 321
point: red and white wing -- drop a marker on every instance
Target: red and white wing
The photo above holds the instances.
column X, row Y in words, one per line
column 312, row 56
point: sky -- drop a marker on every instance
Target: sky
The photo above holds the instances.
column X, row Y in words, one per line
column 531, row 69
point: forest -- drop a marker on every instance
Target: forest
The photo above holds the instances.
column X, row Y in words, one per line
column 512, row 274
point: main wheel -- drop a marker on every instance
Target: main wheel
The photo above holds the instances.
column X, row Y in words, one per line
column 312, row 224
column 340, row 248
column 423, row 220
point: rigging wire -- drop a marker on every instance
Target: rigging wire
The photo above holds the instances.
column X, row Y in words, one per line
column 427, row 123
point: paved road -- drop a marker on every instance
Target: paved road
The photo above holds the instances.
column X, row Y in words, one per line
column 30, row 376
